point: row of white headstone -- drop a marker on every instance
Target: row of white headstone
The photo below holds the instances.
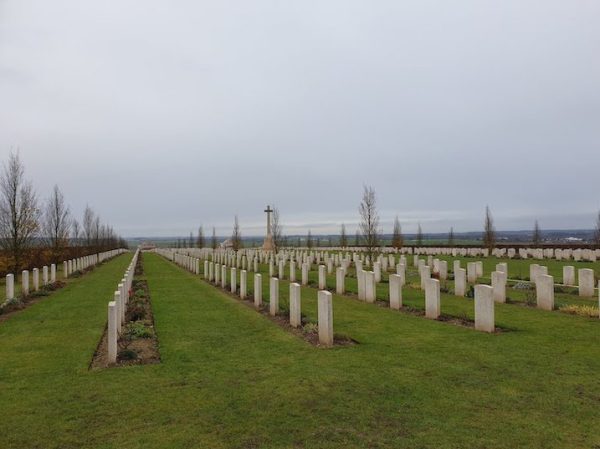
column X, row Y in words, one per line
column 117, row 309
column 367, row 280
column 576, row 254
column 217, row 273
column 49, row 273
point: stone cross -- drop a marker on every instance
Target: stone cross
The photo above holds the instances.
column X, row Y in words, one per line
column 268, row 211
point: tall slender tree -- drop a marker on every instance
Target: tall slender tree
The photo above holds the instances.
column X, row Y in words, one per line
column 276, row 228
column 19, row 212
column 419, row 235
column 489, row 232
column 88, row 225
column 309, row 240
column 213, row 240
column 200, row 239
column 57, row 222
column 597, row 231
column 369, row 220
column 536, row 238
column 343, row 236
column 75, row 232
column 397, row 237
column 451, row 237
column 236, row 236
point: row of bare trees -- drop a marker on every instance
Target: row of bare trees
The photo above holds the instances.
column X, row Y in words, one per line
column 28, row 224
column 368, row 235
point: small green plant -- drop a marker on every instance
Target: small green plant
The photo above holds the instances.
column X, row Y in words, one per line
column 140, row 293
column 39, row 293
column 311, row 328
column 137, row 329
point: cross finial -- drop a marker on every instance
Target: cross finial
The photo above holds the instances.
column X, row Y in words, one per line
column 268, row 210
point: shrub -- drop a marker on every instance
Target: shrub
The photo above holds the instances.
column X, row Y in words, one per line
column 10, row 303
column 138, row 329
column 589, row 311
column 39, row 293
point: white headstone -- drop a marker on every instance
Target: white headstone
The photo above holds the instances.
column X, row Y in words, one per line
column 322, row 278
column 370, row 286
column 257, row 290
column 499, row 286
column 432, row 299
column 243, row 284
column 36, row 279
column 545, row 292
column 340, row 280
column 295, row 305
column 325, row 311
column 395, row 282
column 10, row 286
column 484, row 309
column 569, row 275
column 233, row 281
column 586, row 282
column 113, row 319
column 25, row 283
column 274, row 296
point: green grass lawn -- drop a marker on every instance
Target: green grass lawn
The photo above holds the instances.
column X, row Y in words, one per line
column 231, row 378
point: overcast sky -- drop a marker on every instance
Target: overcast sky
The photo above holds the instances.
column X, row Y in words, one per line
column 164, row 115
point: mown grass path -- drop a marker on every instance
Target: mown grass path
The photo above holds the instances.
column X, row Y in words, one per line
column 230, row 378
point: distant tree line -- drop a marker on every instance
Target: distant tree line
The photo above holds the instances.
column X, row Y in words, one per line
column 44, row 231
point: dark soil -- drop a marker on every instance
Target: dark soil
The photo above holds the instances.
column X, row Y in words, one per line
column 133, row 348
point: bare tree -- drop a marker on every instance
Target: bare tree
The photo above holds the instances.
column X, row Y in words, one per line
column 213, row 240
column 75, row 232
column 489, row 233
column 96, row 231
column 369, row 220
column 419, row 235
column 200, row 239
column 88, row 225
column 57, row 222
column 19, row 213
column 276, row 229
column 397, row 237
column 309, row 241
column 451, row 237
column 236, row 236
column 536, row 237
column 597, row 231
column 343, row 236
